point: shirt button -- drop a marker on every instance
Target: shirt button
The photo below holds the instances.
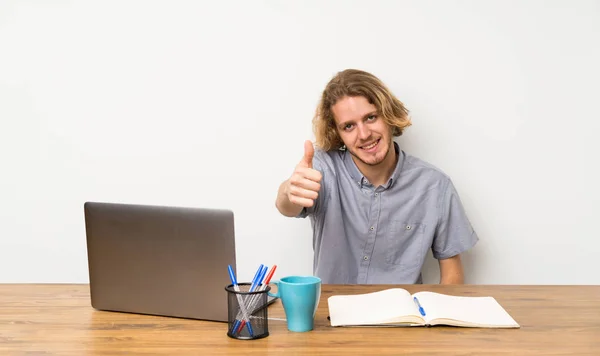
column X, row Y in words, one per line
column 408, row 227
column 366, row 258
column 376, row 194
column 372, row 228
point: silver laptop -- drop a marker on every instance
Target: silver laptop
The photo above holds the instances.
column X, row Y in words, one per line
column 158, row 260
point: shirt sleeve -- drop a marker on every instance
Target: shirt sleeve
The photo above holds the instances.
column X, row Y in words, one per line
column 319, row 205
column 454, row 233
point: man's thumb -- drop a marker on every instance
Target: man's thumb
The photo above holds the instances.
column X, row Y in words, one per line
column 309, row 152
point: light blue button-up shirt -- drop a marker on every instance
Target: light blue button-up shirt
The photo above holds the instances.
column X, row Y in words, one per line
column 364, row 234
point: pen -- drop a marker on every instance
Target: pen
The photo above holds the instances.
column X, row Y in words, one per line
column 258, row 277
column 240, row 301
column 245, row 317
column 421, row 310
column 257, row 281
column 256, row 298
column 268, row 279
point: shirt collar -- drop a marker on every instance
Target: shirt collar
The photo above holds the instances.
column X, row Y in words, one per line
column 361, row 180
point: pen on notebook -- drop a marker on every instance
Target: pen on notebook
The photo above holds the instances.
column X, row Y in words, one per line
column 245, row 316
column 421, row 310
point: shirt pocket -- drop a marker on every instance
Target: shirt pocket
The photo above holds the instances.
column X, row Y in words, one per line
column 405, row 244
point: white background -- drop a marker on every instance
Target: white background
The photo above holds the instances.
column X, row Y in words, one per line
column 208, row 103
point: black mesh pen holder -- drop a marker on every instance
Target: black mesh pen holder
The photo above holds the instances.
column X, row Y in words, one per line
column 248, row 312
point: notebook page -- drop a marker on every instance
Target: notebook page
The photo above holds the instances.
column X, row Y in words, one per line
column 371, row 308
column 479, row 311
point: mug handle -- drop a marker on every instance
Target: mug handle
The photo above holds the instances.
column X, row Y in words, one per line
column 277, row 295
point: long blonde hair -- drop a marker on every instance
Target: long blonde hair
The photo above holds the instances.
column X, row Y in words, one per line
column 354, row 82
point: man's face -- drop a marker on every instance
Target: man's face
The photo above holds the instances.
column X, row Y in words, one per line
column 365, row 134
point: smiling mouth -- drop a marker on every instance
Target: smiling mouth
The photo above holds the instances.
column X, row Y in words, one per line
column 370, row 146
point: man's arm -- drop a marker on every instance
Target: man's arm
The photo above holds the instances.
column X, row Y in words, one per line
column 453, row 233
column 451, row 271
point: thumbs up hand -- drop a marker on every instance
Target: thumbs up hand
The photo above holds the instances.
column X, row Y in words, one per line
column 309, row 153
column 304, row 184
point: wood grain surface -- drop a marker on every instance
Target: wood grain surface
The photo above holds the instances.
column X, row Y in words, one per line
column 57, row 319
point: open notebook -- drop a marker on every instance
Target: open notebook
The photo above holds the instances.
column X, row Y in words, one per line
column 397, row 307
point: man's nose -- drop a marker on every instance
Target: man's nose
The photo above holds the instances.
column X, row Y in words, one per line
column 363, row 131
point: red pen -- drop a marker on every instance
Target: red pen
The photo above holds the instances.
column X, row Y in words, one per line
column 268, row 279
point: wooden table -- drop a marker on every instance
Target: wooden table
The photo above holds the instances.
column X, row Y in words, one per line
column 58, row 320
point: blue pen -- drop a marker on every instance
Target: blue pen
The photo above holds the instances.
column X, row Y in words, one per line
column 421, row 310
column 240, row 302
column 258, row 281
column 257, row 274
column 236, row 325
column 253, row 288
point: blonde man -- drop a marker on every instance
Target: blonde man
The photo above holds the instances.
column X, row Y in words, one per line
column 375, row 210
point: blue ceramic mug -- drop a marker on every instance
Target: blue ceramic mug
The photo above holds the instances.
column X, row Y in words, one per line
column 300, row 297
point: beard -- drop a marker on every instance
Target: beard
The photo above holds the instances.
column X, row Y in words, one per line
column 374, row 160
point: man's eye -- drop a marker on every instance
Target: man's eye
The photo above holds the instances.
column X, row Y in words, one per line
column 348, row 127
column 371, row 118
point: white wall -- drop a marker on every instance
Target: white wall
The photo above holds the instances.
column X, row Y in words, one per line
column 207, row 104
